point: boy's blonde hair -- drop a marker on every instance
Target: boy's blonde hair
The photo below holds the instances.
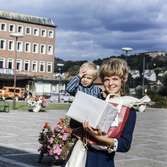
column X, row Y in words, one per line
column 91, row 67
column 114, row 66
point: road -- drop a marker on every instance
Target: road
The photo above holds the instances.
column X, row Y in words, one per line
column 20, row 130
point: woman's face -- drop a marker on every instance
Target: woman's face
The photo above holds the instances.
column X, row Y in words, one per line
column 113, row 84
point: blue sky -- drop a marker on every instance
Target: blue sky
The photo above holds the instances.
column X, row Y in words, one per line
column 88, row 30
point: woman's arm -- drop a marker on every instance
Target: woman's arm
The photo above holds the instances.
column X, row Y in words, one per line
column 125, row 140
column 123, row 143
column 102, row 139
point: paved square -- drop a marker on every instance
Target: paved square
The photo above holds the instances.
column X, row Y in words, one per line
column 19, row 139
column 149, row 147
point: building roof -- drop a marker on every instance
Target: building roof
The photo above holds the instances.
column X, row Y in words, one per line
column 26, row 18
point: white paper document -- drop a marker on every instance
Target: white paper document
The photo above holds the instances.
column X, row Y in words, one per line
column 99, row 113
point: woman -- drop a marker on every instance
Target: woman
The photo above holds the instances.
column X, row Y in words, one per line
column 113, row 73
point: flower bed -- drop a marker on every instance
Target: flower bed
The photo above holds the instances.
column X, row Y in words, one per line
column 57, row 141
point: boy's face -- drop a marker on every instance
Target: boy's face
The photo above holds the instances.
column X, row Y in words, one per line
column 87, row 80
column 113, row 84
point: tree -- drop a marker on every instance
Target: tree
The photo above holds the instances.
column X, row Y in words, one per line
column 73, row 70
column 163, row 88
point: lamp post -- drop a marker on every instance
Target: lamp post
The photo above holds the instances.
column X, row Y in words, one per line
column 127, row 50
column 15, row 36
column 60, row 66
column 143, row 79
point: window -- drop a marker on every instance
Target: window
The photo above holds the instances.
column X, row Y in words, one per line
column 49, row 67
column 42, row 66
column 11, row 28
column 34, row 66
column 28, row 30
column 19, row 46
column 10, row 45
column 27, row 47
column 50, row 50
column 3, row 27
column 20, row 29
column 42, row 49
column 2, row 62
column 18, row 65
column 43, row 33
column 2, row 44
column 50, row 34
column 36, row 31
column 26, row 65
column 35, row 48
column 10, row 64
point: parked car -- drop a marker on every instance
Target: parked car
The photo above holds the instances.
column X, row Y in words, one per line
column 8, row 92
column 66, row 98
column 53, row 97
column 63, row 97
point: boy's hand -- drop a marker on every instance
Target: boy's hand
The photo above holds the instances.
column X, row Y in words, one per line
column 82, row 72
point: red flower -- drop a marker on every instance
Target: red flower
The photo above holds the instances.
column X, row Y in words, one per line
column 46, row 125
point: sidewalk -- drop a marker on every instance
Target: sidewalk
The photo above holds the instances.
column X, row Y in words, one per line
column 149, row 148
column 20, row 130
column 19, row 137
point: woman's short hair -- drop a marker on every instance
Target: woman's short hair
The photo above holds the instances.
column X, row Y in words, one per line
column 114, row 66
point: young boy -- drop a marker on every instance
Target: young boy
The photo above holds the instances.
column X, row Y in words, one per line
column 84, row 81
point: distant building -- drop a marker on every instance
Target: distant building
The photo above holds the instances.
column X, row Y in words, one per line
column 155, row 54
column 35, row 50
column 135, row 73
column 150, row 75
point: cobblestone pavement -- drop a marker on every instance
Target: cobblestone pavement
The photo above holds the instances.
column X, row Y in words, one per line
column 19, row 139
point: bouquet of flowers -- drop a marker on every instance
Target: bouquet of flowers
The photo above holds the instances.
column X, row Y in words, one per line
column 57, row 141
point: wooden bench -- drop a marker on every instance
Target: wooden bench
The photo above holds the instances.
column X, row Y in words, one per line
column 4, row 106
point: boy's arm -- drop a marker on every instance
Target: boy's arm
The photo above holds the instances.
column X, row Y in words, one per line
column 73, row 85
column 98, row 92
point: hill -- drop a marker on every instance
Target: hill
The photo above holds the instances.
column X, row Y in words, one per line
column 135, row 62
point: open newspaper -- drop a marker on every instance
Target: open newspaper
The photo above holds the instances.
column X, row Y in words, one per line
column 99, row 113
column 102, row 114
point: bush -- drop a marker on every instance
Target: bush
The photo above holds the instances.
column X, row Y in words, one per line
column 159, row 101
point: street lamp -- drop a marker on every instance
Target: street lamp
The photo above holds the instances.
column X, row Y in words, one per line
column 127, row 50
column 15, row 36
column 60, row 66
column 143, row 79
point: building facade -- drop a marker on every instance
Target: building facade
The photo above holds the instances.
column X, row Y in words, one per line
column 31, row 54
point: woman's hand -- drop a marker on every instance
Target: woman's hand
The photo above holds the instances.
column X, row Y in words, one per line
column 97, row 134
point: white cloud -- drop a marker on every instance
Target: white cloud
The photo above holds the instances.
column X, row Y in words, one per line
column 95, row 29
